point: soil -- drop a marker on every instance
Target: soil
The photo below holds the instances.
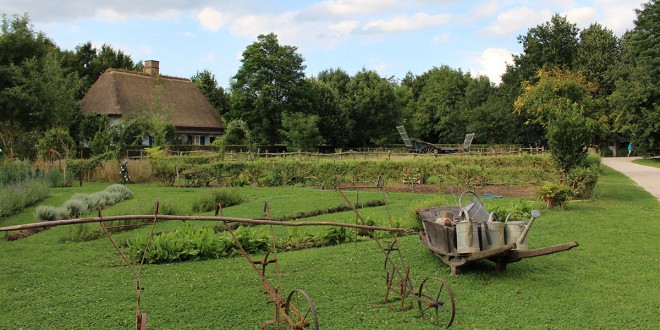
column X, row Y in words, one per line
column 500, row 190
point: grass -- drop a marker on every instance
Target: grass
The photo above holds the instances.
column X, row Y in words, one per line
column 654, row 162
column 608, row 282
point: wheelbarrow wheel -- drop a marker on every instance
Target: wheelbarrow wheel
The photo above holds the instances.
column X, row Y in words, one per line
column 300, row 310
column 436, row 302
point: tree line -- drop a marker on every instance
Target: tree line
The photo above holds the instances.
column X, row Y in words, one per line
column 578, row 86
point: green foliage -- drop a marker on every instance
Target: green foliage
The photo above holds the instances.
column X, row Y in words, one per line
column 568, row 138
column 208, row 86
column 269, row 82
column 583, row 181
column 300, row 131
column 234, row 127
column 225, row 198
column 56, row 142
column 188, row 244
column 371, row 104
column 555, row 194
column 16, row 197
column 336, row 235
column 164, row 169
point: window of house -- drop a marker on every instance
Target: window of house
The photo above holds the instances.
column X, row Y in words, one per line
column 197, row 139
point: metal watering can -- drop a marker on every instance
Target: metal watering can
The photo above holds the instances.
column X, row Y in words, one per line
column 493, row 232
column 516, row 231
column 467, row 230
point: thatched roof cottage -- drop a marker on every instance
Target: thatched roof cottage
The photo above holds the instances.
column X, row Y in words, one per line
column 119, row 93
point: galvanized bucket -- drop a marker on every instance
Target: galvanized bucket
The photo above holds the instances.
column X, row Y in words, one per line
column 467, row 237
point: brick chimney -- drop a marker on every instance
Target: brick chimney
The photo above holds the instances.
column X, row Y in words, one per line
column 152, row 68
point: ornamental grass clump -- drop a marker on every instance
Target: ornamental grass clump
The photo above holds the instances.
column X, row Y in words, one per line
column 75, row 208
column 80, row 204
column 50, row 213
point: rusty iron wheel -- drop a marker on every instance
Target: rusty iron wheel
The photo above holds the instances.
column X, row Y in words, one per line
column 301, row 311
column 435, row 301
column 393, row 281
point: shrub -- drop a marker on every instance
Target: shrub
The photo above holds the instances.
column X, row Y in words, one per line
column 99, row 199
column 120, row 190
column 555, row 194
column 76, row 207
column 16, row 197
column 50, row 213
column 583, row 181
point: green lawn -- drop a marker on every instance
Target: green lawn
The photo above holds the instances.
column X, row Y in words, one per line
column 609, row 282
column 655, row 162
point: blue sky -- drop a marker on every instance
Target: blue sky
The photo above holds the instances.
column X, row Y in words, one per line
column 391, row 37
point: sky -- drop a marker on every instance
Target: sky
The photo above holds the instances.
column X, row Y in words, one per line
column 388, row 36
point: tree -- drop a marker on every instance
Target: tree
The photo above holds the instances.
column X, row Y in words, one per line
column 553, row 44
column 439, row 115
column 207, row 84
column 90, row 63
column 637, row 93
column 597, row 51
column 561, row 102
column 334, row 123
column 269, row 83
column 568, row 139
column 372, row 106
column 301, row 131
column 335, row 78
column 18, row 42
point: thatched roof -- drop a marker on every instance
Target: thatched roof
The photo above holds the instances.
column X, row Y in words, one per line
column 124, row 93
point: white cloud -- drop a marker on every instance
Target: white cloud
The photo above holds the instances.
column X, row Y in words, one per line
column 110, row 15
column 484, row 10
column 582, row 16
column 332, row 9
column 442, row 38
column 493, row 62
column 379, row 67
column 406, row 23
column 515, row 19
column 619, row 15
column 212, row 20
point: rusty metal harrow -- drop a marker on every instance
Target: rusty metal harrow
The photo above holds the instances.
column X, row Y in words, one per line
column 435, row 300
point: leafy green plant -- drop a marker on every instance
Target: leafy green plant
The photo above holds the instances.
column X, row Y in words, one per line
column 555, row 194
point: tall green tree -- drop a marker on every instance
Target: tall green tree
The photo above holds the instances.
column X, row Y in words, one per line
column 269, row 83
column 18, row 43
column 561, row 102
column 336, row 78
column 334, row 122
column 553, row 44
column 439, row 116
column 637, row 93
column 215, row 94
column 301, row 132
column 90, row 62
column 371, row 102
